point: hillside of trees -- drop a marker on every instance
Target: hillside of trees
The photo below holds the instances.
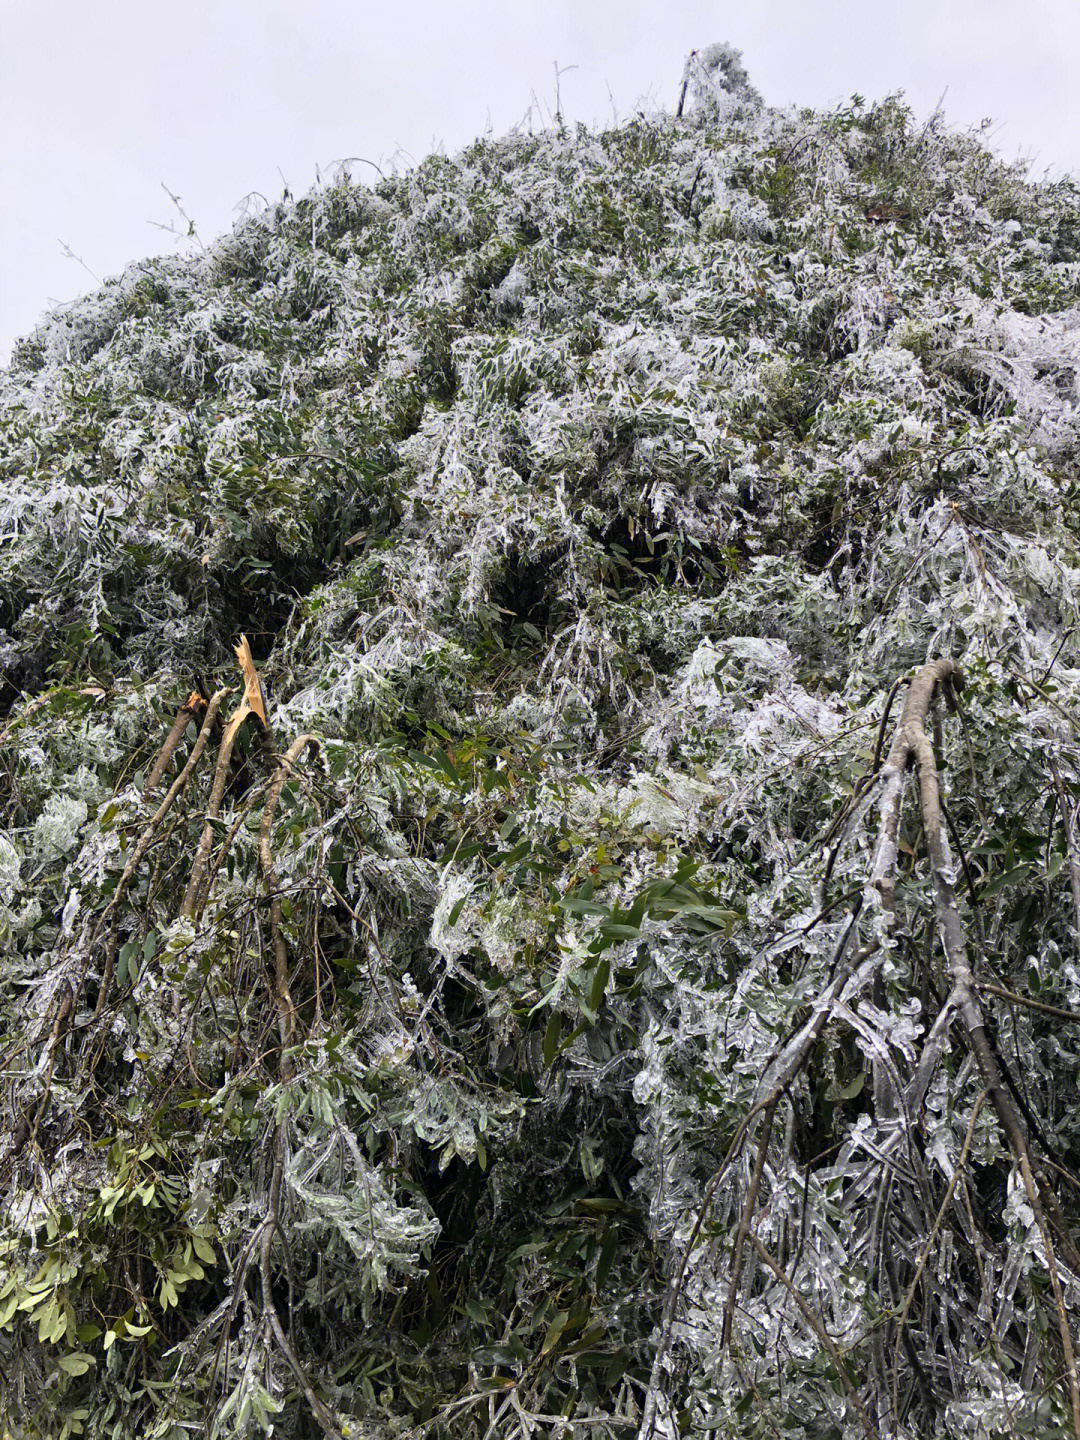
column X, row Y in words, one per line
column 539, row 766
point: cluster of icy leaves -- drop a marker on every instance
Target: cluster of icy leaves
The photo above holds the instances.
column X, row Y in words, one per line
column 624, row 471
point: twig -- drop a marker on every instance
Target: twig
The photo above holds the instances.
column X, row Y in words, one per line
column 924, row 1253
column 744, row 1223
column 819, row 1330
column 70, row 255
column 192, row 233
column 693, row 191
column 38, row 703
column 1072, row 1016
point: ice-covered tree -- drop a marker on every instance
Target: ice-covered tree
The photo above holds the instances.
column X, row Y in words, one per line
column 539, row 887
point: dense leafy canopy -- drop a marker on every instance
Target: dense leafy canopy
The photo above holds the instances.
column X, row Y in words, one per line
column 546, row 1023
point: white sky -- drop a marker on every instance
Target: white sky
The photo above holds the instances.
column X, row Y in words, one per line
column 103, row 100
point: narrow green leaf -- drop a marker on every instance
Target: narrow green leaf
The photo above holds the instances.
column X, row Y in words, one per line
column 1011, row 877
column 607, row 1256
column 551, row 1037
column 599, row 985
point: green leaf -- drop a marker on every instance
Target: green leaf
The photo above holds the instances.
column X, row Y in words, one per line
column 77, row 1364
column 607, row 1256
column 616, row 1367
column 446, row 765
column 573, row 906
column 204, row 1250
column 848, row 1091
column 599, row 985
column 551, row 1037
column 419, row 758
column 555, row 1329
column 123, row 966
column 46, row 1320
column 1011, row 877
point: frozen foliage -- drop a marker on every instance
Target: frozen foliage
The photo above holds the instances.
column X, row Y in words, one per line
column 718, row 82
column 556, row 1019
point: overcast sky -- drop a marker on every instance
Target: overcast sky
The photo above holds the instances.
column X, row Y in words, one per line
column 104, row 101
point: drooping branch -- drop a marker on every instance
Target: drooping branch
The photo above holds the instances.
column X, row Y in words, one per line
column 149, row 831
column 1068, row 825
column 852, row 971
column 1040, row 1197
column 913, row 744
column 269, row 1228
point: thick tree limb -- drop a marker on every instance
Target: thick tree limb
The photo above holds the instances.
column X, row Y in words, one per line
column 250, row 704
column 191, row 707
column 282, row 994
